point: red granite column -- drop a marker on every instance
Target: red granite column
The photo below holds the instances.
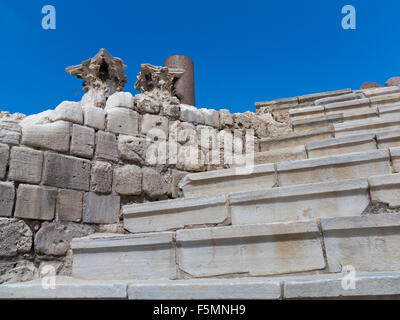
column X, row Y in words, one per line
column 185, row 85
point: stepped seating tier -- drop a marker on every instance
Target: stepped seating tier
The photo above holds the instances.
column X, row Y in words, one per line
column 284, row 229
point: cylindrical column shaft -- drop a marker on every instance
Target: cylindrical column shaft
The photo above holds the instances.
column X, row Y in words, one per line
column 185, row 85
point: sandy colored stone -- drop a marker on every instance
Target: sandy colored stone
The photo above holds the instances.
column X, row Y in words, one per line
column 101, row 208
column 123, row 121
column 25, row 165
column 94, row 117
column 69, row 205
column 127, row 180
column 7, row 195
column 101, row 177
column 4, row 156
column 66, row 172
column 54, row 136
column 106, row 146
column 82, row 142
column 15, row 237
column 34, row 202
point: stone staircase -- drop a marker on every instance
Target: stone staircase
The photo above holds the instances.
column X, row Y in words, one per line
column 317, row 201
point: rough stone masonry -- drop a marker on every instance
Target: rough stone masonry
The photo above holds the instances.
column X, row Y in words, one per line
column 65, row 173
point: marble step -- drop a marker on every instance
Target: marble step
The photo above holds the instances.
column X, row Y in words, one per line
column 124, row 256
column 229, row 180
column 348, row 106
column 334, row 168
column 300, row 202
column 340, row 98
column 388, row 111
column 316, row 122
column 175, row 214
column 343, row 145
column 263, row 249
column 366, row 126
column 324, row 169
column 373, row 92
column 295, row 139
column 369, row 243
column 370, row 285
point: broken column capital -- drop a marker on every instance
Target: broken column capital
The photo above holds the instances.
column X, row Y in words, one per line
column 102, row 76
column 157, row 85
column 159, row 81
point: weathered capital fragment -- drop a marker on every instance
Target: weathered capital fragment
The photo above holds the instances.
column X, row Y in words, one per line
column 157, row 85
column 103, row 75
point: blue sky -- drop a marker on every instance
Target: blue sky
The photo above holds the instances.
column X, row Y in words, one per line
column 244, row 51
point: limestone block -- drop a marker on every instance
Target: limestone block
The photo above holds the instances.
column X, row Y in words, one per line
column 385, row 189
column 395, row 156
column 352, row 105
column 284, row 154
column 177, row 176
column 301, row 202
column 191, row 114
column 256, row 250
column 175, row 214
column 68, row 111
column 69, row 205
column 120, row 100
column 226, row 118
column 101, row 208
column 388, row 111
column 190, row 158
column 34, row 202
column 295, row 139
column 368, row 243
column 94, row 117
column 366, row 126
column 54, row 238
column 133, row 148
column 306, row 113
column 101, row 177
column 123, row 121
column 205, row 289
column 339, row 98
column 154, row 184
column 371, row 285
column 362, row 113
column 347, row 144
column 229, row 180
column 15, row 237
column 315, row 96
column 155, row 126
column 66, row 288
column 66, row 172
column 211, row 117
column 39, row 118
column 7, row 194
column 82, row 142
column 127, row 180
column 25, row 165
column 10, row 132
column 316, row 122
column 53, row 136
column 373, row 92
column 4, row 155
column 385, row 99
column 334, row 168
column 139, row 256
column 388, row 139
column 106, row 146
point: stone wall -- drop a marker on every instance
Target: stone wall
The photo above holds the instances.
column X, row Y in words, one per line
column 66, row 172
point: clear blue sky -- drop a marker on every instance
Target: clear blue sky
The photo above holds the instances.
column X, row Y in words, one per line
column 244, row 51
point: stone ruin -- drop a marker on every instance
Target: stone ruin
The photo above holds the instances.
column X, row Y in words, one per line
column 144, row 197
